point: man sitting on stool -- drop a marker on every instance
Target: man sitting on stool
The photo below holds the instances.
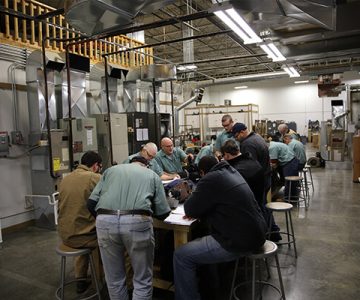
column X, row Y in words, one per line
column 224, row 200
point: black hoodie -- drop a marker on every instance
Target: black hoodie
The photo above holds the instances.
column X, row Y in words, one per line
column 224, row 200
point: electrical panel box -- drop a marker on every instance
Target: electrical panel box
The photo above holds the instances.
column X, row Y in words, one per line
column 119, row 138
column 4, row 143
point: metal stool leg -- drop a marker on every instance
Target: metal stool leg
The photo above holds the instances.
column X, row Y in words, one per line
column 63, row 264
column 233, row 279
column 280, row 277
column 287, row 228
column 253, row 280
column 292, row 232
column 93, row 275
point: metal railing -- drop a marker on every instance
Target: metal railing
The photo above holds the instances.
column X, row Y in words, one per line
column 19, row 27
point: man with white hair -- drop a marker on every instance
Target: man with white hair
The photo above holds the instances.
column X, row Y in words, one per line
column 284, row 129
column 148, row 151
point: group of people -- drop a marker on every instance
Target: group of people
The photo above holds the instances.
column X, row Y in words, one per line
column 112, row 213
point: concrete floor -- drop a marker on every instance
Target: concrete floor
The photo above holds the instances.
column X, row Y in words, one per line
column 328, row 243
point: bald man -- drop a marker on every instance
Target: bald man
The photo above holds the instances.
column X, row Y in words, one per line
column 170, row 160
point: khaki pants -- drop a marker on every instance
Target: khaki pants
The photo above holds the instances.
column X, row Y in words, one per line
column 81, row 263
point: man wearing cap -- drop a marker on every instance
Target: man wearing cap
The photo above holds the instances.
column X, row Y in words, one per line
column 228, row 123
column 124, row 200
column 251, row 142
column 254, row 144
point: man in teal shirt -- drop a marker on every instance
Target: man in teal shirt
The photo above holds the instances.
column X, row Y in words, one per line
column 283, row 158
column 170, row 159
column 228, row 123
column 298, row 149
column 149, row 151
column 124, row 200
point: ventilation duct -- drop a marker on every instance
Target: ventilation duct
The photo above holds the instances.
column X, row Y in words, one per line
column 98, row 16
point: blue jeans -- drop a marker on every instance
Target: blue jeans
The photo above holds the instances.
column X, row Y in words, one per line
column 133, row 233
column 201, row 251
column 291, row 169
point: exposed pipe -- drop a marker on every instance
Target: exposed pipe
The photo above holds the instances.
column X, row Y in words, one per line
column 197, row 98
column 51, row 165
column 108, row 109
column 172, row 109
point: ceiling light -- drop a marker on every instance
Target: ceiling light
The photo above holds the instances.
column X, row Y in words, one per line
column 291, row 71
column 186, row 67
column 301, row 81
column 273, row 52
column 232, row 19
column 241, row 87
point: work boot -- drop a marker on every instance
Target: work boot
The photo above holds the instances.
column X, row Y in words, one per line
column 81, row 286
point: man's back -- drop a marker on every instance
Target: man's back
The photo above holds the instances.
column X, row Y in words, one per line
column 252, row 172
column 131, row 186
column 224, row 199
column 74, row 218
column 259, row 150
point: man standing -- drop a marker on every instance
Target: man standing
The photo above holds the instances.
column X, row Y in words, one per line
column 254, row 144
column 124, row 201
column 76, row 226
column 298, row 148
column 251, row 142
column 224, row 200
column 170, row 159
column 228, row 123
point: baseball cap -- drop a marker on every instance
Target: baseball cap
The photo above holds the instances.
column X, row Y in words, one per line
column 238, row 127
column 140, row 159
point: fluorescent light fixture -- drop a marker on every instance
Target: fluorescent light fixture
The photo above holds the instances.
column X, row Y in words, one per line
column 241, row 87
column 301, row 81
column 291, row 71
column 187, row 67
column 232, row 19
column 273, row 52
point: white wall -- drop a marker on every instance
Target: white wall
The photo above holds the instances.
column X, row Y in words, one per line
column 281, row 99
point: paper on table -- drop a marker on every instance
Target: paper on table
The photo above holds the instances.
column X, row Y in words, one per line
column 179, row 210
column 178, row 219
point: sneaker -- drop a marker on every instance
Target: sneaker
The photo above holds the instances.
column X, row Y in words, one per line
column 275, row 237
column 81, row 286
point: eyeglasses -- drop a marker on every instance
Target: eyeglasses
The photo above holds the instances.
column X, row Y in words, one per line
column 148, row 154
column 226, row 125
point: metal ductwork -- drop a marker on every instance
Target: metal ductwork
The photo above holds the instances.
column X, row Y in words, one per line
column 197, row 97
column 143, row 83
column 97, row 16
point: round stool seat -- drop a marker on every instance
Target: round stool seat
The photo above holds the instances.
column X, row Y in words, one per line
column 279, row 206
column 268, row 249
column 293, row 178
column 64, row 250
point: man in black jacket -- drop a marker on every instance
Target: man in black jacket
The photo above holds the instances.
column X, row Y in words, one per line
column 248, row 167
column 224, row 200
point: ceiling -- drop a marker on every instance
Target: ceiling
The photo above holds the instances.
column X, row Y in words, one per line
column 317, row 37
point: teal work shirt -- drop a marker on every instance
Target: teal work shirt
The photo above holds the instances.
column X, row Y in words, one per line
column 128, row 187
column 171, row 164
column 204, row 151
column 299, row 150
column 222, row 138
column 153, row 165
column 281, row 152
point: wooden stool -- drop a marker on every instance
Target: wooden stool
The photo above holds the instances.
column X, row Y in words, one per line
column 302, row 197
column 283, row 207
column 65, row 251
column 269, row 249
